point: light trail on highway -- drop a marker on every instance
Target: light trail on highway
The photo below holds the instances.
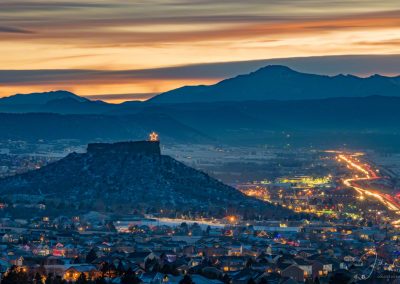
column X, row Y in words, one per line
column 368, row 174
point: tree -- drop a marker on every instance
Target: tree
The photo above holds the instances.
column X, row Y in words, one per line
column 104, row 268
column 130, row 277
column 41, row 270
column 82, row 279
column 184, row 228
column 152, row 265
column 249, row 262
column 100, row 280
column 340, row 276
column 226, row 279
column 91, row 256
column 37, row 279
column 120, row 268
column 263, row 281
column 186, row 280
column 59, row 280
column 110, row 226
column 15, row 276
column 77, row 260
column 208, row 230
column 49, row 279
column 309, row 281
column 112, row 270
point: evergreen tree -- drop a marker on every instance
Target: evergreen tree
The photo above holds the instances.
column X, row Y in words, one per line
column 100, row 280
column 152, row 265
column 15, row 276
column 82, row 279
column 249, row 262
column 186, row 280
column 120, row 268
column 77, row 260
column 226, row 279
column 49, row 279
column 208, row 230
column 130, row 278
column 37, row 279
column 309, row 281
column 104, row 268
column 59, row 280
column 112, row 269
column 91, row 256
column 340, row 277
column 263, row 281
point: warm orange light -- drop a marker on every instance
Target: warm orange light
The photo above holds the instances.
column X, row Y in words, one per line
column 232, row 219
column 369, row 175
column 153, row 136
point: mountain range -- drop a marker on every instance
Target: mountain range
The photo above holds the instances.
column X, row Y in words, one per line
column 272, row 82
column 274, row 105
column 277, row 82
column 40, row 98
column 134, row 175
column 51, row 102
column 357, row 122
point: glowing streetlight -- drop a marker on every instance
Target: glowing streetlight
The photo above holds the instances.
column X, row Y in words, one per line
column 232, row 219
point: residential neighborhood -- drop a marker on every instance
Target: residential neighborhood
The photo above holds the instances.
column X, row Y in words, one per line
column 63, row 250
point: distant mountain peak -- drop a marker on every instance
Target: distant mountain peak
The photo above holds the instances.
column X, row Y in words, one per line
column 40, row 98
column 272, row 70
column 61, row 101
column 58, row 93
column 275, row 68
column 377, row 76
column 278, row 82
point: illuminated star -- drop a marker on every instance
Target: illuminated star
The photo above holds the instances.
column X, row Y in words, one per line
column 153, row 136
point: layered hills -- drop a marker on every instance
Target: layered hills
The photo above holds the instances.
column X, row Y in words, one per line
column 273, row 82
column 273, row 105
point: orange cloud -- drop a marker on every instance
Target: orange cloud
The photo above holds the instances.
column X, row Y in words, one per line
column 95, row 39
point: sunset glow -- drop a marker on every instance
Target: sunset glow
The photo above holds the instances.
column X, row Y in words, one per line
column 145, row 35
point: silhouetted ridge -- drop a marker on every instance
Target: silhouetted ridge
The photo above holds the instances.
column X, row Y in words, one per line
column 276, row 68
column 276, row 82
column 40, row 98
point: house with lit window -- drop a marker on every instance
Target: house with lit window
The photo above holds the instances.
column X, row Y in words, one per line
column 294, row 272
column 321, row 268
column 74, row 271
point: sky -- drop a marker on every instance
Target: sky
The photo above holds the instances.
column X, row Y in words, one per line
column 125, row 50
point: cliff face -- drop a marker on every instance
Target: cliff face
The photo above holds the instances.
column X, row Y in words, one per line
column 125, row 148
column 134, row 175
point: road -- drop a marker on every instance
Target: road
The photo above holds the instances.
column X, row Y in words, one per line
column 366, row 173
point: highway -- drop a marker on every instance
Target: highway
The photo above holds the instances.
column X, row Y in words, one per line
column 364, row 172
